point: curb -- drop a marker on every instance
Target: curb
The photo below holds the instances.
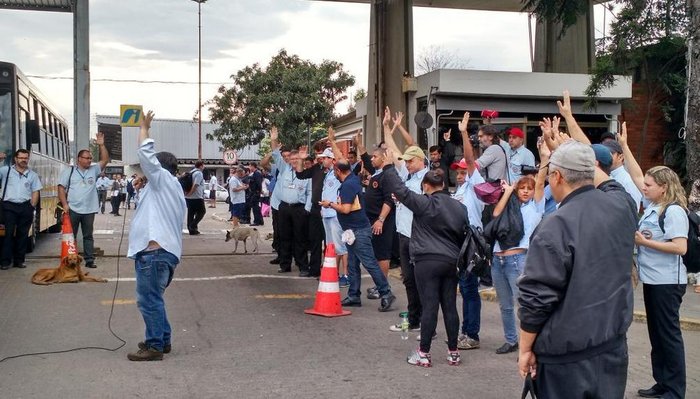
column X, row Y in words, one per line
column 687, row 323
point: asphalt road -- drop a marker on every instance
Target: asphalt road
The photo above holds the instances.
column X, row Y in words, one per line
column 239, row 331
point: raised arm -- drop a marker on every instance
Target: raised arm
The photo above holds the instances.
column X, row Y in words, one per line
column 274, row 138
column 104, row 154
column 404, row 133
column 336, row 151
column 467, row 149
column 574, row 129
column 501, row 205
column 631, row 164
column 544, row 168
column 389, row 132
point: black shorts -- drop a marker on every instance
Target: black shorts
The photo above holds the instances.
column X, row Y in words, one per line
column 382, row 243
column 212, row 194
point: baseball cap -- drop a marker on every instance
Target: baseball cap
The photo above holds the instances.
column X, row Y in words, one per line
column 614, row 147
column 575, row 156
column 462, row 164
column 412, row 152
column 602, row 154
column 517, row 132
column 607, row 136
column 328, row 153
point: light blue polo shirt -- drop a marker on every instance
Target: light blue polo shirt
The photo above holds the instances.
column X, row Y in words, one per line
column 331, row 185
column 656, row 267
column 289, row 189
column 198, row 179
column 82, row 188
column 532, row 212
column 20, row 185
column 518, row 158
column 404, row 216
column 466, row 195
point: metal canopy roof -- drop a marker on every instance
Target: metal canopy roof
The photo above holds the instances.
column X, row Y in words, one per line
column 485, row 5
column 39, row 5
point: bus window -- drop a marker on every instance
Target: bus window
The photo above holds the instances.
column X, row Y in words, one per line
column 5, row 126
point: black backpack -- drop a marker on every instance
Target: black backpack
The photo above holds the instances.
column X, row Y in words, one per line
column 691, row 259
column 475, row 254
column 130, row 187
column 186, row 181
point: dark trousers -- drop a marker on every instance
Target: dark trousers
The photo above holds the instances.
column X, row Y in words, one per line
column 115, row 205
column 195, row 213
column 471, row 305
column 415, row 309
column 603, row 376
column 102, row 199
column 255, row 207
column 662, row 303
column 316, row 236
column 86, row 222
column 293, row 227
column 437, row 282
column 18, row 219
column 275, row 230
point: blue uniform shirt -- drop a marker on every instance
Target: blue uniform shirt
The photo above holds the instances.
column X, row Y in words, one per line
column 82, row 188
column 656, row 267
column 404, row 216
column 20, row 186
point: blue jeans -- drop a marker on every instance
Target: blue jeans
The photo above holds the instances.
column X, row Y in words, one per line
column 361, row 251
column 154, row 271
column 86, row 222
column 505, row 272
column 471, row 306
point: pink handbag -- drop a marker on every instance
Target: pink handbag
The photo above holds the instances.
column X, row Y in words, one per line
column 489, row 192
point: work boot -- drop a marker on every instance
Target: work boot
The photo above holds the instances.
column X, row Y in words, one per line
column 166, row 348
column 145, row 355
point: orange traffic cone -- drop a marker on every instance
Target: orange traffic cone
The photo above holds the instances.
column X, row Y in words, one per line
column 328, row 295
column 67, row 238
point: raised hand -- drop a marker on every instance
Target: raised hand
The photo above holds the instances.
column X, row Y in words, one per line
column 565, row 107
column 303, row 152
column 100, row 139
column 398, row 118
column 622, row 137
column 274, row 134
column 147, row 119
column 447, row 135
column 331, row 134
column 555, row 123
column 387, row 116
column 464, row 123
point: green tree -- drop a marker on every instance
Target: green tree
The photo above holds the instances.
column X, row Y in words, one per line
column 648, row 41
column 291, row 93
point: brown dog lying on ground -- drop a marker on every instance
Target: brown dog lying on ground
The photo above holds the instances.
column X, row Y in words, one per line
column 241, row 233
column 68, row 272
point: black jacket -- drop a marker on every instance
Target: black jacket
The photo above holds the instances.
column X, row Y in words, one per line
column 576, row 289
column 439, row 221
column 376, row 195
column 317, row 175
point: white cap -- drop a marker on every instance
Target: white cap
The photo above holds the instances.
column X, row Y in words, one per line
column 328, row 153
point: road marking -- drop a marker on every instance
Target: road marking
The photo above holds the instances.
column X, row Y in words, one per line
column 237, row 277
column 283, row 296
column 103, row 232
column 120, row 302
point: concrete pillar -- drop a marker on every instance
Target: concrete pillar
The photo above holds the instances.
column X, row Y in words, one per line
column 390, row 57
column 81, row 74
column 572, row 53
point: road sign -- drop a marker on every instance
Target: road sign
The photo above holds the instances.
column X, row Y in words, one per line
column 130, row 115
column 230, row 157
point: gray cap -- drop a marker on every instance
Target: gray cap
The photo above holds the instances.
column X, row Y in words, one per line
column 575, row 156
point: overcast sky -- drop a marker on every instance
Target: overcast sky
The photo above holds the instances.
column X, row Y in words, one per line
column 157, row 40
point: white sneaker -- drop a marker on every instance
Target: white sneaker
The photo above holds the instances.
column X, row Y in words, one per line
column 397, row 328
column 418, row 358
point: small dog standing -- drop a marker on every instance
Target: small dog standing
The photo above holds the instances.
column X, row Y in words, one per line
column 69, row 272
column 241, row 233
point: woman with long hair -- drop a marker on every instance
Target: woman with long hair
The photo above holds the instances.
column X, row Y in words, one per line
column 508, row 263
column 664, row 276
column 662, row 239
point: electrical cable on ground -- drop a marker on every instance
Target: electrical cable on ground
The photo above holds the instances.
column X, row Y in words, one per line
column 109, row 320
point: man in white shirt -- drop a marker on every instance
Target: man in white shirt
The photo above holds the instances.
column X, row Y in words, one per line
column 213, row 184
column 518, row 154
column 156, row 251
column 619, row 173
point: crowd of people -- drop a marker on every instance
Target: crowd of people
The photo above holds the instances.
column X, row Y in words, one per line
column 562, row 270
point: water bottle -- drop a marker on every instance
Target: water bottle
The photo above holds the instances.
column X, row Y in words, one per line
column 404, row 325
